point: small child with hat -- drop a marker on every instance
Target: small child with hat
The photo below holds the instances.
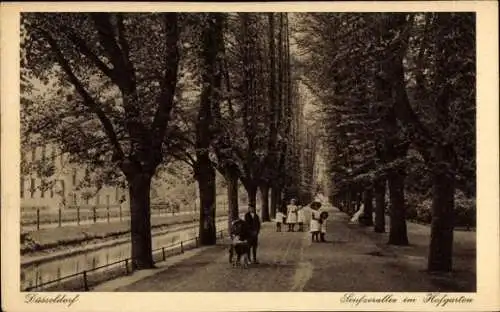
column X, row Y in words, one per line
column 315, row 225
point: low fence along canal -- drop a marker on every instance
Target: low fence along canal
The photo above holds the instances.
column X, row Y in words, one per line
column 84, row 270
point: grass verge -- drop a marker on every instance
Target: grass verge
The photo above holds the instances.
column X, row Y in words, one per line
column 57, row 238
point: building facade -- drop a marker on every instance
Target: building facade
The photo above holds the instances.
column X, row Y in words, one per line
column 60, row 190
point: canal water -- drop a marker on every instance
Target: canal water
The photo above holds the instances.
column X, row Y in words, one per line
column 36, row 274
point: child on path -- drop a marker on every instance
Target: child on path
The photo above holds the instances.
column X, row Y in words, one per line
column 291, row 218
column 315, row 226
column 279, row 220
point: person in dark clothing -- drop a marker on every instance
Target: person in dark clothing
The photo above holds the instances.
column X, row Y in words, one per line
column 252, row 221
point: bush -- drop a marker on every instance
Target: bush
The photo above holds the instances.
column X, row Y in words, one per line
column 465, row 211
column 412, row 201
column 424, row 211
column 418, row 208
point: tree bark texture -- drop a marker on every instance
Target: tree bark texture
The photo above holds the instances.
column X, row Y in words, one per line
column 275, row 201
column 210, row 94
column 367, row 218
column 252, row 194
column 140, row 221
column 207, row 190
column 264, row 198
column 359, row 198
column 232, row 195
column 443, row 152
column 380, row 206
column 397, row 234
column 441, row 244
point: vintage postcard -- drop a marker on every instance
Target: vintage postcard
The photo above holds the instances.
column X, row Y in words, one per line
column 259, row 156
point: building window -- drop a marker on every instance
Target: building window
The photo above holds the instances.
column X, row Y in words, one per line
column 87, row 198
column 74, row 177
column 74, row 199
column 63, row 189
column 117, row 194
column 53, row 157
column 42, row 190
column 32, row 187
column 52, row 190
column 22, row 187
column 97, row 199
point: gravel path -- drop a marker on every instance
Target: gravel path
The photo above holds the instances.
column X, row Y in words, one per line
column 353, row 259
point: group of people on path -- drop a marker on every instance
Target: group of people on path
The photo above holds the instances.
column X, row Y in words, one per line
column 296, row 215
column 249, row 233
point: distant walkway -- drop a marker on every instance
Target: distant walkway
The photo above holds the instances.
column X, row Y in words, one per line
column 353, row 259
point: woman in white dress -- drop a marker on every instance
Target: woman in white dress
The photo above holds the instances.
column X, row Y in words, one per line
column 315, row 226
column 291, row 215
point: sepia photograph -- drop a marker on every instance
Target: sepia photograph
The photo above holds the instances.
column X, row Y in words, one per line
column 253, row 151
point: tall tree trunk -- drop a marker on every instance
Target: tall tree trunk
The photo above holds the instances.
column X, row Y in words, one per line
column 348, row 200
column 264, row 198
column 443, row 153
column 441, row 245
column 274, row 107
column 380, row 206
column 211, row 80
column 232, row 195
column 359, row 197
column 367, row 217
column 335, row 200
column 275, row 200
column 342, row 201
column 252, row 194
column 397, row 234
column 140, row 221
column 206, row 186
